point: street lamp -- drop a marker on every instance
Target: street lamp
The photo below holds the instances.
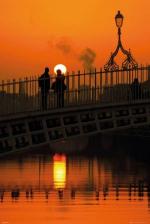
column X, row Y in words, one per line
column 119, row 19
column 129, row 61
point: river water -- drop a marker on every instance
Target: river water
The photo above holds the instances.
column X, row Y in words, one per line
column 45, row 189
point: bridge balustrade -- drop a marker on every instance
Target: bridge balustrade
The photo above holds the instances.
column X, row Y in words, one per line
column 94, row 87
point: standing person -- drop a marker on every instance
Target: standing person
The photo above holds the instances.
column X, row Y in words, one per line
column 136, row 89
column 44, row 84
column 59, row 87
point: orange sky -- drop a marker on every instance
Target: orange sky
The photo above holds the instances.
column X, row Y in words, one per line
column 33, row 33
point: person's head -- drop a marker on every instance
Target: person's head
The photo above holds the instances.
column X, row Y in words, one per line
column 46, row 70
column 136, row 80
column 59, row 72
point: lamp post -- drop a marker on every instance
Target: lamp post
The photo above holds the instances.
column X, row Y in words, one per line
column 129, row 62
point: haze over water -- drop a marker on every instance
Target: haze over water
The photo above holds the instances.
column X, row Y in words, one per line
column 66, row 189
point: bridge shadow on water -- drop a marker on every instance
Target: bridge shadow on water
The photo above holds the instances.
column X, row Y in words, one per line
column 116, row 145
column 119, row 145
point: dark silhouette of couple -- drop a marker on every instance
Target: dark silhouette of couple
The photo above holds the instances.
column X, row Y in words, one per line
column 58, row 86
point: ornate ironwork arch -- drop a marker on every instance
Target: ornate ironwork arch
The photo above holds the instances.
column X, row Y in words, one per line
column 129, row 62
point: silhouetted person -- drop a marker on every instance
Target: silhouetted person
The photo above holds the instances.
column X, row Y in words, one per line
column 105, row 191
column 44, row 84
column 130, row 191
column 117, row 192
column 29, row 193
column 46, row 193
column 97, row 194
column 60, row 193
column 73, row 193
column 15, row 194
column 136, row 89
column 141, row 190
column 59, row 87
column 148, row 195
column 2, row 195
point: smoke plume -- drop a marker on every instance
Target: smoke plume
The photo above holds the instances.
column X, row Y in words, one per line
column 64, row 46
column 87, row 58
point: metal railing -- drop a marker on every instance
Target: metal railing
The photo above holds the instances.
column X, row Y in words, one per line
column 82, row 88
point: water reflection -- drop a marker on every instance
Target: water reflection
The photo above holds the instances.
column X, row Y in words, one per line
column 59, row 171
column 66, row 182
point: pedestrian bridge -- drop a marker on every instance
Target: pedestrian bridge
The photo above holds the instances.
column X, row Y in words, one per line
column 95, row 102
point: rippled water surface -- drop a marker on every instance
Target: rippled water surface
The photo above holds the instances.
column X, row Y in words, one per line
column 62, row 189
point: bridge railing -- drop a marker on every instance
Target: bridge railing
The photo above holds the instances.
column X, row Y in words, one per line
column 93, row 87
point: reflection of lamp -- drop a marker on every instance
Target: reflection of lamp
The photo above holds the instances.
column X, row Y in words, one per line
column 59, row 171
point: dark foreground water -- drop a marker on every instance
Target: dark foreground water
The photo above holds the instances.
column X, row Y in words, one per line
column 45, row 189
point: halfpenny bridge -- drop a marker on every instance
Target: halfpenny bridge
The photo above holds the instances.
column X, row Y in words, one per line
column 95, row 101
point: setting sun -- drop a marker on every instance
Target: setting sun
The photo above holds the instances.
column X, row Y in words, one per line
column 60, row 67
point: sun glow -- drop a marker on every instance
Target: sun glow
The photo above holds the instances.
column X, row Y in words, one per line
column 60, row 67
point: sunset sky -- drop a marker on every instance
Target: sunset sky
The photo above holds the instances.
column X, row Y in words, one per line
column 35, row 34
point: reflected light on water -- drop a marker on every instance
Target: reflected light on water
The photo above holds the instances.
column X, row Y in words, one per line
column 59, row 189
column 59, row 171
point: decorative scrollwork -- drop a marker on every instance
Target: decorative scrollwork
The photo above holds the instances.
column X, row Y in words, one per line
column 111, row 65
column 129, row 62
